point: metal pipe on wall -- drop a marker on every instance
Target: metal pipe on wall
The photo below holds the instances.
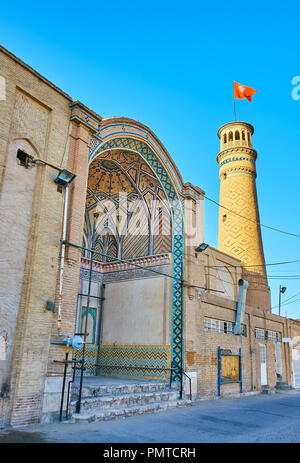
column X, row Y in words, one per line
column 78, row 405
column 100, row 326
column 62, row 258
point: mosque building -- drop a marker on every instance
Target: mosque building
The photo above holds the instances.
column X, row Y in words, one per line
column 103, row 241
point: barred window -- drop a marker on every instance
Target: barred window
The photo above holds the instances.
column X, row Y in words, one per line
column 210, row 324
column 259, row 333
column 274, row 336
column 267, row 334
column 220, row 326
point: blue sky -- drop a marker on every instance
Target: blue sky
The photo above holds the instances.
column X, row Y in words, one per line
column 171, row 65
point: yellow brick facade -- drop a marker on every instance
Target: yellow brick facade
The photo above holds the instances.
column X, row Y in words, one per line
column 239, row 224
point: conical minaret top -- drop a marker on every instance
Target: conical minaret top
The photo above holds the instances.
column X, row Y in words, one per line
column 239, row 228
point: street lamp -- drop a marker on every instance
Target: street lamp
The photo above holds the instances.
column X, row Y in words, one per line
column 281, row 291
column 64, row 177
column 201, row 247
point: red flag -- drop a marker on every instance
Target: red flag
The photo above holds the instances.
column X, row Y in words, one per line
column 241, row 91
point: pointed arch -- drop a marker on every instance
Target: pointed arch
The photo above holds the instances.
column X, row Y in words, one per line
column 170, row 180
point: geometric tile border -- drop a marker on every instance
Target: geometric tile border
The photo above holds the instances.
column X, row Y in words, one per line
column 117, row 360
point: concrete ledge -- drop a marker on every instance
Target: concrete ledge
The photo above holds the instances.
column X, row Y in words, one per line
column 83, row 418
column 230, row 396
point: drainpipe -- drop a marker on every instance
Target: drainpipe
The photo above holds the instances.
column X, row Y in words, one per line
column 251, row 350
column 62, row 258
column 241, row 304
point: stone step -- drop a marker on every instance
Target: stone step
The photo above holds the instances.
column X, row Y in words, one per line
column 113, row 413
column 282, row 385
column 124, row 400
column 268, row 390
column 99, row 391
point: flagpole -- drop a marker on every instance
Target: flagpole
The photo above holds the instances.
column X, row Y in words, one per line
column 234, row 104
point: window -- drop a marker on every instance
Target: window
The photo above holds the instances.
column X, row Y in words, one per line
column 274, row 336
column 243, row 135
column 237, row 135
column 267, row 335
column 220, row 326
column 259, row 333
column 225, row 138
column 230, row 136
column 91, row 323
column 211, row 325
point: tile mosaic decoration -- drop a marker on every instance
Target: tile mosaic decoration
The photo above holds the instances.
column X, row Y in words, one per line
column 138, row 146
column 118, row 360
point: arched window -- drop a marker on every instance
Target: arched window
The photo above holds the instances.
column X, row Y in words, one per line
column 225, row 138
column 248, row 136
column 230, row 136
column 237, row 135
column 243, row 135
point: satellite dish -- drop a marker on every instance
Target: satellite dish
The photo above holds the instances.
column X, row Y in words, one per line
column 77, row 342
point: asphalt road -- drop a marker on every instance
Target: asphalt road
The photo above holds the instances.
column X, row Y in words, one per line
column 256, row 419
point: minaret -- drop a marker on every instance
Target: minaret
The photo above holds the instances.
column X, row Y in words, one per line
column 241, row 237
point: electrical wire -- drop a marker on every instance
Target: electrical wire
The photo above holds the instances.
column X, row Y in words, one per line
column 252, row 265
column 283, row 303
column 274, row 277
column 116, row 259
column 251, row 220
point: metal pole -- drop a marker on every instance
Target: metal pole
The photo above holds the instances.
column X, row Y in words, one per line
column 181, row 339
column 181, row 383
column 100, row 318
column 240, row 372
column 234, row 109
column 64, row 383
column 234, row 103
column 219, row 370
column 279, row 299
column 62, row 258
column 171, row 373
column 72, row 381
column 96, row 215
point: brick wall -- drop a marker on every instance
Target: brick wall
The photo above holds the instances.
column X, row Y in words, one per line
column 34, row 117
column 201, row 346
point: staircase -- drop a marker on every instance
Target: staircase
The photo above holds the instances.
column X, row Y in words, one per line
column 106, row 402
column 282, row 386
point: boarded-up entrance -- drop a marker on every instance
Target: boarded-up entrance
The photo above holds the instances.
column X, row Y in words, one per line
column 229, row 368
